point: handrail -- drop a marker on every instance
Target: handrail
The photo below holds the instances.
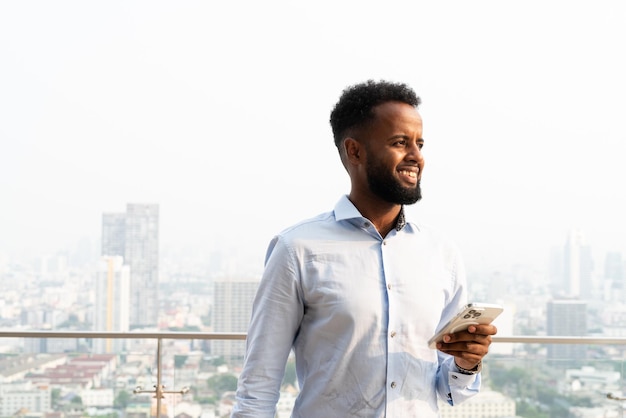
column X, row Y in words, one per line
column 126, row 335
column 532, row 339
column 520, row 339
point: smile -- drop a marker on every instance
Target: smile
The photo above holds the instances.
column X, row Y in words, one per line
column 408, row 173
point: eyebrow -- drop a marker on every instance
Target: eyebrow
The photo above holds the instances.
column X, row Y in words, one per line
column 404, row 136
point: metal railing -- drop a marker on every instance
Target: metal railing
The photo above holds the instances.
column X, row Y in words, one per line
column 159, row 391
column 529, row 339
column 165, row 335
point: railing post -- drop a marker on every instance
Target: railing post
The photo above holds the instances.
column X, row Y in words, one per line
column 159, row 386
column 158, row 391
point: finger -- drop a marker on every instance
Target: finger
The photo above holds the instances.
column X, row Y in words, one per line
column 478, row 344
column 465, row 355
column 472, row 347
column 466, row 336
column 467, row 351
column 482, row 329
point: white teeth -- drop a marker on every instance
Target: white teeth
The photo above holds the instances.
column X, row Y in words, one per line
column 408, row 173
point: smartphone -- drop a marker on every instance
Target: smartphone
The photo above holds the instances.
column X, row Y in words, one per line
column 471, row 314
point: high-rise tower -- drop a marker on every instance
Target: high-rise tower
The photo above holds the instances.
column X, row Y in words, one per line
column 113, row 234
column 566, row 317
column 142, row 255
column 112, row 303
column 232, row 308
column 134, row 235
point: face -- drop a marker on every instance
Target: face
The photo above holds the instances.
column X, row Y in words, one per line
column 393, row 147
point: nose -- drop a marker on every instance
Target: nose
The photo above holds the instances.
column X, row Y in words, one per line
column 415, row 156
column 415, row 152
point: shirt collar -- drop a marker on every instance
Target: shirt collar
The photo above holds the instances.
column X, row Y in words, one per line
column 345, row 210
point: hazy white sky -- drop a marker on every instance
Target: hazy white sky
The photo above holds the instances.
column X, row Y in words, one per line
column 218, row 112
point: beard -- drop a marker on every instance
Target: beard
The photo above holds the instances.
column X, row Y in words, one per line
column 384, row 185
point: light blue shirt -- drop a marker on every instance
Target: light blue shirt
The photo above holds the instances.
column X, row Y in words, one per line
column 358, row 310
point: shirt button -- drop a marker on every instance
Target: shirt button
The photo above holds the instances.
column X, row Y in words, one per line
column 455, row 377
column 393, row 385
column 385, row 242
column 393, row 334
column 389, row 286
column 366, row 224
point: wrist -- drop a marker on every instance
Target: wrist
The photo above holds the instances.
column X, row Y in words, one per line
column 476, row 369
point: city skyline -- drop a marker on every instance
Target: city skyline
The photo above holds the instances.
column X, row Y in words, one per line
column 90, row 249
column 221, row 118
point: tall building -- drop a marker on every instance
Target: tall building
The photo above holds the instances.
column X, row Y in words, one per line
column 566, row 318
column 112, row 303
column 232, row 307
column 142, row 255
column 578, row 267
column 134, row 235
column 113, row 234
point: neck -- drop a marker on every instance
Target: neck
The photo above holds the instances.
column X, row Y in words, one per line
column 383, row 215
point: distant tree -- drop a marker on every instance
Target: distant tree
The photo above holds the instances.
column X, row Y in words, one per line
column 179, row 360
column 122, row 399
column 218, row 361
column 526, row 410
column 220, row 383
column 186, row 328
column 584, row 401
column 109, row 415
column 515, row 382
column 547, row 395
column 290, row 374
column 55, row 395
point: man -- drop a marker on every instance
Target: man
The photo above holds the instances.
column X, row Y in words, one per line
column 358, row 292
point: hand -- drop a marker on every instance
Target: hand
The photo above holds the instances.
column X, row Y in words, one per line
column 468, row 347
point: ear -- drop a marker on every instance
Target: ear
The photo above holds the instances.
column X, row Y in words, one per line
column 353, row 150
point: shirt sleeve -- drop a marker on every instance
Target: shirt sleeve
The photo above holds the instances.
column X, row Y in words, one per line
column 276, row 315
column 453, row 386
